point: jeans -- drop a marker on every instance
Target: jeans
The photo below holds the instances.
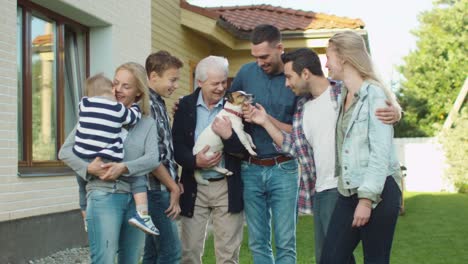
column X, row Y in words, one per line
column 165, row 248
column 271, row 191
column 324, row 204
column 109, row 232
column 376, row 235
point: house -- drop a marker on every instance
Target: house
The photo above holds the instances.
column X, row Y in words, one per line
column 49, row 47
column 192, row 32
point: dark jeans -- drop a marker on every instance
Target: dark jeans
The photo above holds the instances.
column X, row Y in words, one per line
column 165, row 248
column 376, row 235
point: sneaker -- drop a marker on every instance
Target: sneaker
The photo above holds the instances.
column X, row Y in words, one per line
column 144, row 223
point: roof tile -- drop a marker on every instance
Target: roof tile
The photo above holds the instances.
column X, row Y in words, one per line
column 245, row 18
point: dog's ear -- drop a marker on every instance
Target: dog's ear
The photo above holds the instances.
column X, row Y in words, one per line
column 229, row 97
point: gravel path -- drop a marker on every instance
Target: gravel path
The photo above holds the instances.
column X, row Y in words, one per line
column 68, row 256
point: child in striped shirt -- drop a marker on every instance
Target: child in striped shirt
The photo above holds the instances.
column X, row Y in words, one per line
column 100, row 133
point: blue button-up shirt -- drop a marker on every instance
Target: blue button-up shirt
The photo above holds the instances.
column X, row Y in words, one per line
column 205, row 117
column 271, row 92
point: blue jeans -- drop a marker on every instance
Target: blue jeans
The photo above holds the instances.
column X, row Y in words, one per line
column 324, row 205
column 109, row 232
column 376, row 235
column 165, row 248
column 271, row 191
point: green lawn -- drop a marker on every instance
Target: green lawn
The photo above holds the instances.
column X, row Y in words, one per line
column 433, row 230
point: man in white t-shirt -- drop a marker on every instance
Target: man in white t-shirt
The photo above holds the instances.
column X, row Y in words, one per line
column 312, row 140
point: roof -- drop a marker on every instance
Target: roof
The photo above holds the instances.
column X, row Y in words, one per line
column 245, row 18
column 43, row 40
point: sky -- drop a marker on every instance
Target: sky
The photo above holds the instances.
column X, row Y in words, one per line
column 388, row 23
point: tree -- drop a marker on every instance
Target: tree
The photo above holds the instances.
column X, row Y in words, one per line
column 435, row 71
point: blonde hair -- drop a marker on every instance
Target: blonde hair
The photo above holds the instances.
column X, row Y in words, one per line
column 350, row 47
column 141, row 82
column 98, row 85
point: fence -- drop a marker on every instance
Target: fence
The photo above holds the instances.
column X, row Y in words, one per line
column 424, row 159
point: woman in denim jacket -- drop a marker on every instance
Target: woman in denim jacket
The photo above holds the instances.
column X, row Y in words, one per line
column 367, row 168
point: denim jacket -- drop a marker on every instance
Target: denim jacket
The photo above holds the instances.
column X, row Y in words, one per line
column 368, row 152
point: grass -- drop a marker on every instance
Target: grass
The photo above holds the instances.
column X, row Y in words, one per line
column 434, row 230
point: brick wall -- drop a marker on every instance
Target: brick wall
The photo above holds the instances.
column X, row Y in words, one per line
column 8, row 105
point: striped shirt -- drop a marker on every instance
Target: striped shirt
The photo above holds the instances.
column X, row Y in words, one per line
column 99, row 132
column 166, row 148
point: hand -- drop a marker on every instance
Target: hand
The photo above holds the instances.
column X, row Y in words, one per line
column 222, row 127
column 204, row 161
column 247, row 110
column 388, row 115
column 114, row 170
column 181, row 187
column 258, row 115
column 95, row 167
column 174, row 208
column 362, row 213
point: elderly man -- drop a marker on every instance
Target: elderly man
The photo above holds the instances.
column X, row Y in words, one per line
column 221, row 199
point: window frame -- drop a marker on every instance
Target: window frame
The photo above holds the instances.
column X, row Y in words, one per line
column 27, row 165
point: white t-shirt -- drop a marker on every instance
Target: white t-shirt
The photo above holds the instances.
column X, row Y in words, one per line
column 319, row 122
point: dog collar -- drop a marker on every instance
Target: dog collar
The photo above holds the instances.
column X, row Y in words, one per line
column 233, row 112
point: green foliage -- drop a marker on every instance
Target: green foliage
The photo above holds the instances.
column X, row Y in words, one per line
column 436, row 70
column 455, row 142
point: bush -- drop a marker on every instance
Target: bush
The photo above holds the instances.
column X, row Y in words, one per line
column 455, row 142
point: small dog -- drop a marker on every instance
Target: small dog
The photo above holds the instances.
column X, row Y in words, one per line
column 233, row 110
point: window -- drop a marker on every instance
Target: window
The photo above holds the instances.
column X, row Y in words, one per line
column 52, row 67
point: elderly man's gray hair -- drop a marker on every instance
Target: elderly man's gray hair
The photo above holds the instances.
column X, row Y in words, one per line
column 211, row 63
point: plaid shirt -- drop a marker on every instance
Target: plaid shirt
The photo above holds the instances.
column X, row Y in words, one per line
column 297, row 145
column 165, row 146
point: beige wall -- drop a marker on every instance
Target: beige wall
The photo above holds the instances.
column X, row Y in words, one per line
column 114, row 28
column 168, row 34
column 236, row 58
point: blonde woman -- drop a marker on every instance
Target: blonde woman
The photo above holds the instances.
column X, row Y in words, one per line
column 110, row 202
column 367, row 167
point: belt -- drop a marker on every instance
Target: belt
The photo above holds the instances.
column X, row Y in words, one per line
column 268, row 161
column 215, row 179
